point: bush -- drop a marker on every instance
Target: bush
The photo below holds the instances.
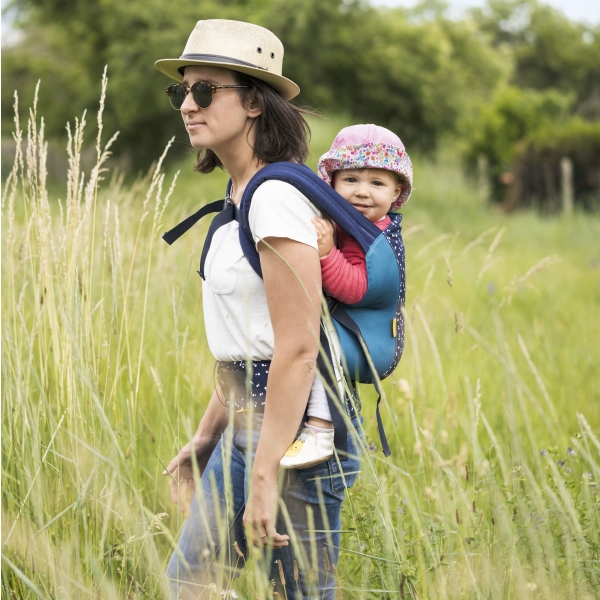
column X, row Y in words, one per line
column 513, row 115
column 537, row 174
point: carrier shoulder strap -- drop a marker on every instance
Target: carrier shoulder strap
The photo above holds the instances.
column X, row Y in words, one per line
column 227, row 213
column 323, row 196
column 174, row 234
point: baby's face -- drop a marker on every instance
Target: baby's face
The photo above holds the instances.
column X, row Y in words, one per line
column 371, row 191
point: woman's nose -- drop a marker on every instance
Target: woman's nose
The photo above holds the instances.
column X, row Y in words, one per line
column 189, row 105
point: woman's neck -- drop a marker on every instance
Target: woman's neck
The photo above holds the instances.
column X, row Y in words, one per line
column 241, row 176
column 241, row 164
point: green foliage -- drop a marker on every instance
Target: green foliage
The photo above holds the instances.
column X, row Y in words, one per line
column 549, row 50
column 568, row 139
column 414, row 74
column 492, row 414
column 555, row 78
column 67, row 45
column 512, row 115
column 538, row 164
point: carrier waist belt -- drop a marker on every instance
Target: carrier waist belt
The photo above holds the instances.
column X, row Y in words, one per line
column 244, row 384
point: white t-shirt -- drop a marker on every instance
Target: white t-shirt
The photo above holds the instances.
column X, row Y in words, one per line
column 236, row 316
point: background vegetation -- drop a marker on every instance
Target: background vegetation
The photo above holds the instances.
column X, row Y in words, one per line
column 493, row 414
column 485, row 82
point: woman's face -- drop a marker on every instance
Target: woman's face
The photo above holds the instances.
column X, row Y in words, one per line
column 225, row 123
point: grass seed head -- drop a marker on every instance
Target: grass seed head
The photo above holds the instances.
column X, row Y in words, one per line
column 281, row 575
column 237, row 549
column 404, row 388
column 338, row 584
column 430, row 494
column 326, row 560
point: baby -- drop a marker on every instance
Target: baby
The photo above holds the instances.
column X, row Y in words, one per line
column 368, row 166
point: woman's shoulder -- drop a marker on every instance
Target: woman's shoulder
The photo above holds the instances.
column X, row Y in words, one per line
column 279, row 209
column 278, row 188
column 279, row 196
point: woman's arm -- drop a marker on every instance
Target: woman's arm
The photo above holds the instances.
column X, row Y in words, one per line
column 295, row 310
column 203, row 443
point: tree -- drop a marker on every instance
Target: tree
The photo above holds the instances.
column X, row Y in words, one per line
column 415, row 72
column 67, row 43
column 550, row 51
column 513, row 115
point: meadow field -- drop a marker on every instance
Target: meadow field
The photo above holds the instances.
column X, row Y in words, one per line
column 493, row 414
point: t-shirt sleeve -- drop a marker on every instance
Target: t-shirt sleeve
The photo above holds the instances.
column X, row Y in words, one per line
column 279, row 210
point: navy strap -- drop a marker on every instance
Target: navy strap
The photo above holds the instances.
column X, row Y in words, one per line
column 340, row 432
column 174, row 234
column 343, row 318
column 323, row 196
column 227, row 215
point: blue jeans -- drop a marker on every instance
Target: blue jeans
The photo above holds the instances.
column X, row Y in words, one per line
column 212, row 537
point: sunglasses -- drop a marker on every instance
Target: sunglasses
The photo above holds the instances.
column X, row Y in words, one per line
column 202, row 93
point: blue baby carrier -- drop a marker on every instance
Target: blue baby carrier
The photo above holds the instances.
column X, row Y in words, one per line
column 375, row 323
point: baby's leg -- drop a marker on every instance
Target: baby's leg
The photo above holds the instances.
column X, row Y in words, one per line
column 318, row 407
column 315, row 442
column 318, row 423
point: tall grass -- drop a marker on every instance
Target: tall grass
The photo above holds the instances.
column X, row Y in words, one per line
column 491, row 490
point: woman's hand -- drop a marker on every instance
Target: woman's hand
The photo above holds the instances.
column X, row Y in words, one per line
column 325, row 239
column 260, row 515
column 181, row 471
column 203, row 443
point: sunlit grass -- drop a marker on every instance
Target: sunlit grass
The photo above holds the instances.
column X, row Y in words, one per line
column 492, row 415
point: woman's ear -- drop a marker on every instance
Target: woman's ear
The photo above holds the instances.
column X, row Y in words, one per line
column 252, row 105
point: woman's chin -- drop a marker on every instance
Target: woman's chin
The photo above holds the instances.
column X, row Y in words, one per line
column 198, row 138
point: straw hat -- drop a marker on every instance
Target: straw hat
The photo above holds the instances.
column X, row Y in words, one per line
column 234, row 45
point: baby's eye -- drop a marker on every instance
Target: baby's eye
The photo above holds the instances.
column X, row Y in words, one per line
column 378, row 183
column 350, row 179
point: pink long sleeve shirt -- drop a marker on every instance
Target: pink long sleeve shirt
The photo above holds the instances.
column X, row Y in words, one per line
column 344, row 269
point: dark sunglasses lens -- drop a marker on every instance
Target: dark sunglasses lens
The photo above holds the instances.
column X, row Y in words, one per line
column 202, row 94
column 176, row 95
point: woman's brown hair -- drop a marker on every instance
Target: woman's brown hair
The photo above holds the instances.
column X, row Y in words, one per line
column 282, row 133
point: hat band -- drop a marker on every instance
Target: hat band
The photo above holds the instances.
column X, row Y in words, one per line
column 222, row 59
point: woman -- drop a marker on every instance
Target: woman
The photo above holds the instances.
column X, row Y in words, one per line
column 234, row 103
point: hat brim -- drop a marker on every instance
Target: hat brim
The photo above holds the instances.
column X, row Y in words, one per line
column 286, row 87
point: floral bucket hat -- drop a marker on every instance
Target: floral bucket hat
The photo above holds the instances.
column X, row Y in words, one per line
column 369, row 147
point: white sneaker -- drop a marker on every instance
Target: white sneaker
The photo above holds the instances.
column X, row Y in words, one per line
column 311, row 448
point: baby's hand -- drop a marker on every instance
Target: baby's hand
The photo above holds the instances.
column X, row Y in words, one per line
column 325, row 241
